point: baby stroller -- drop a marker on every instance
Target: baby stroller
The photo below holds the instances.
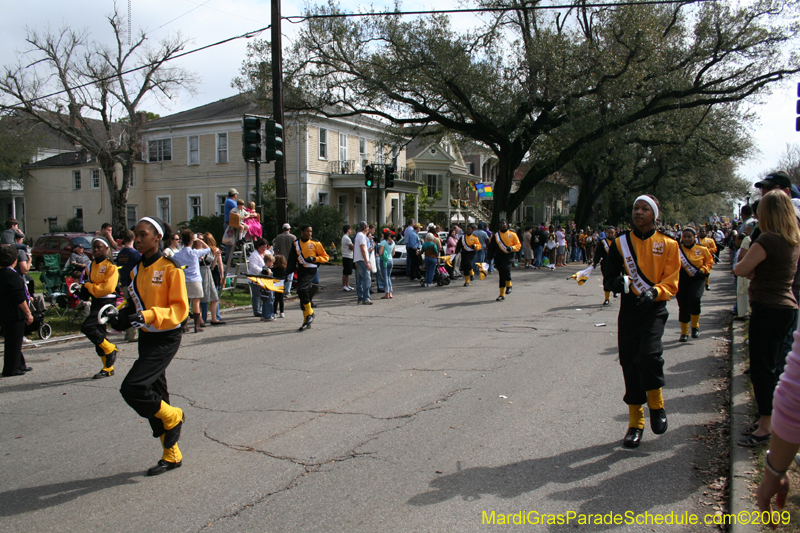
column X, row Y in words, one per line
column 38, row 325
column 440, row 274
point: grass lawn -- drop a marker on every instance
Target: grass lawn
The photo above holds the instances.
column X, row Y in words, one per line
column 70, row 324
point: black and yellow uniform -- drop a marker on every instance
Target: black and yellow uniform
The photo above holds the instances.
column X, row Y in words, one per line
column 709, row 243
column 502, row 247
column 467, row 246
column 306, row 255
column 696, row 263
column 102, row 288
column 600, row 253
column 651, row 262
column 158, row 292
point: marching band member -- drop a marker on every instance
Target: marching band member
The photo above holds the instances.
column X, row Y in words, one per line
column 601, row 252
column 696, row 263
column 102, row 289
column 708, row 242
column 307, row 254
column 467, row 245
column 502, row 247
column 643, row 266
column 157, row 306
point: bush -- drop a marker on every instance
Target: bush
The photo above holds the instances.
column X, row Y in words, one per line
column 326, row 222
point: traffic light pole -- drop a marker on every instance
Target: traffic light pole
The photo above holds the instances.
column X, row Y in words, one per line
column 259, row 207
column 281, row 188
column 380, row 201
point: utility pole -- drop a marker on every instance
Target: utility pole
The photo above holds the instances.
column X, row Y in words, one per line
column 281, row 188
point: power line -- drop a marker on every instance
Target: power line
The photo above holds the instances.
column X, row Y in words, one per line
column 297, row 19
column 247, row 35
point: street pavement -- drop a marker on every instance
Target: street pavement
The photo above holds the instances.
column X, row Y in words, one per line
column 420, row 413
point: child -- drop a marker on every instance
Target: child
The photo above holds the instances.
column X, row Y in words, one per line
column 102, row 288
column 267, row 313
column 279, row 271
column 157, row 306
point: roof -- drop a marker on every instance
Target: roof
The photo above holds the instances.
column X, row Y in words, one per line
column 65, row 159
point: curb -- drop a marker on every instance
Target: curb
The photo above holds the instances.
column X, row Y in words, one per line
column 741, row 459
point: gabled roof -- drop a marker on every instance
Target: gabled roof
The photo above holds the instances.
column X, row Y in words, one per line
column 227, row 108
column 65, row 159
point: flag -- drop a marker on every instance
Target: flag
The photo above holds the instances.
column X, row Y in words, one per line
column 482, row 268
column 472, row 186
column 583, row 275
column 487, row 191
column 268, row 284
column 448, row 259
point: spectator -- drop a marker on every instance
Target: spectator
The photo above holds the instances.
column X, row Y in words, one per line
column 412, row 250
column 252, row 221
column 771, row 264
column 212, row 261
column 363, row 267
column 127, row 258
column 483, row 238
column 279, row 272
column 230, row 204
column 174, row 246
column 538, row 245
column 347, row 257
column 268, row 297
column 255, row 264
column 561, row 247
column 386, row 253
column 527, row 249
column 189, row 256
column 78, row 257
column 23, row 259
column 14, row 314
column 742, row 283
column 452, row 241
column 283, row 245
column 105, row 231
column 11, row 232
column 431, row 253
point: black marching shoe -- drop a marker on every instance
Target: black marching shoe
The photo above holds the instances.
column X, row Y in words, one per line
column 607, row 302
column 499, row 298
column 171, row 436
column 632, row 438
column 695, row 333
column 163, row 466
column 658, row 421
column 103, row 374
column 508, row 290
column 684, row 338
column 307, row 323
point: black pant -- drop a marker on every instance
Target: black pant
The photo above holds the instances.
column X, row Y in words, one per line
column 305, row 285
column 690, row 291
column 414, row 261
column 94, row 330
column 146, row 384
column 502, row 262
column 640, row 349
column 278, row 302
column 468, row 263
column 767, row 330
column 13, row 360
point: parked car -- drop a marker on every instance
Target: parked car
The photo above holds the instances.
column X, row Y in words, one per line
column 400, row 254
column 59, row 243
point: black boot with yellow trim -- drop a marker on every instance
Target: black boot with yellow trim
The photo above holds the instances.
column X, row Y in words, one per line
column 171, row 458
column 109, row 358
column 172, row 418
column 635, row 426
column 684, row 332
column 695, row 326
column 508, row 288
column 502, row 295
column 658, row 416
column 308, row 317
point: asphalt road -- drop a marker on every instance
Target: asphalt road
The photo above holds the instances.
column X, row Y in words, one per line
column 414, row 414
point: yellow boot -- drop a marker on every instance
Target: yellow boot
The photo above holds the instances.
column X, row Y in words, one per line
column 172, row 418
column 684, row 332
column 308, row 317
column 502, row 295
column 466, row 280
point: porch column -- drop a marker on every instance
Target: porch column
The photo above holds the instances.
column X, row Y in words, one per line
column 416, row 207
column 400, row 218
column 364, row 203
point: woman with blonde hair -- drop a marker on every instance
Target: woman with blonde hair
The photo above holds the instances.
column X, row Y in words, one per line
column 770, row 264
column 210, row 269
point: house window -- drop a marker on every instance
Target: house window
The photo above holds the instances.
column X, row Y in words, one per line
column 362, row 152
column 323, row 198
column 132, row 180
column 160, row 150
column 163, row 208
column 222, row 147
column 77, row 212
column 342, row 147
column 471, row 168
column 131, row 215
column 194, row 150
column 195, row 206
column 52, row 223
column 432, row 183
column 323, row 143
column 96, row 178
column 76, row 179
column 221, row 203
column 343, row 205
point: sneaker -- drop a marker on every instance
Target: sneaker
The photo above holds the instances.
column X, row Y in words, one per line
column 283, row 315
column 270, row 319
column 25, row 340
column 367, row 302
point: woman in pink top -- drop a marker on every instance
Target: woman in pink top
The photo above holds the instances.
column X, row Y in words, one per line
column 452, row 241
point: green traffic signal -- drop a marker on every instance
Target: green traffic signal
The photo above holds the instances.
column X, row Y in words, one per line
column 369, row 175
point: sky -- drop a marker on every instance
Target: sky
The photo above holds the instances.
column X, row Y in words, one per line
column 208, row 21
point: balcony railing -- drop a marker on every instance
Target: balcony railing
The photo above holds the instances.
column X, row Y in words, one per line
column 355, row 167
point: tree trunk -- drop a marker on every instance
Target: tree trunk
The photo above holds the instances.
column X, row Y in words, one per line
column 117, row 195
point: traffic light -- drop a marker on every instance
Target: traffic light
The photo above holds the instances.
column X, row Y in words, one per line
column 391, row 175
column 251, row 138
column 273, row 141
column 369, row 175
